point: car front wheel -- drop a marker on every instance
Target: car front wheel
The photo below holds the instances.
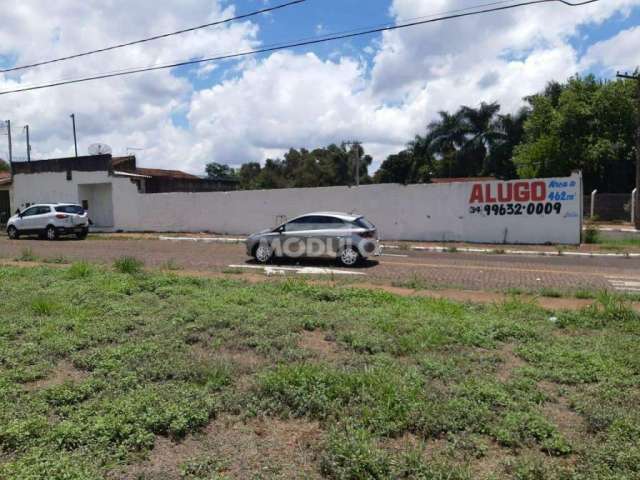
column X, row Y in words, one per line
column 263, row 253
column 83, row 234
column 50, row 233
column 349, row 257
column 12, row 232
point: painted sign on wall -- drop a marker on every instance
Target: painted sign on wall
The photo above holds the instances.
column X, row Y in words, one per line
column 529, row 197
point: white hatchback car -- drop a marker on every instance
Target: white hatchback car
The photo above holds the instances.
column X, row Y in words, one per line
column 50, row 220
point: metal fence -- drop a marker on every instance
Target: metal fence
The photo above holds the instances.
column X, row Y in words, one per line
column 609, row 206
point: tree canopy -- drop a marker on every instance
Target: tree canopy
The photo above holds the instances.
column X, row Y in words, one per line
column 218, row 170
column 583, row 123
column 470, row 142
column 322, row 167
column 4, row 166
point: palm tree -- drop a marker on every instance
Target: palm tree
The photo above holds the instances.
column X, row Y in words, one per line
column 482, row 134
column 511, row 127
column 445, row 138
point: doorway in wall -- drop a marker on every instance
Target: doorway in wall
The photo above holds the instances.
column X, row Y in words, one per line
column 5, row 206
column 97, row 199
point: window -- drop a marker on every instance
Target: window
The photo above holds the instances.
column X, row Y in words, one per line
column 298, row 224
column 75, row 209
column 314, row 222
column 43, row 210
column 29, row 212
column 364, row 223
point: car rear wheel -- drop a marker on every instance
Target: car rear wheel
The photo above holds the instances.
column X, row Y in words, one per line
column 13, row 233
column 349, row 257
column 263, row 253
column 50, row 233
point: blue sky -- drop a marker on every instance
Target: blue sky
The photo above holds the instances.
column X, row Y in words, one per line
column 328, row 16
column 380, row 89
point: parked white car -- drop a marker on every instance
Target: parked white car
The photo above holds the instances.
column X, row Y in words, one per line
column 50, row 220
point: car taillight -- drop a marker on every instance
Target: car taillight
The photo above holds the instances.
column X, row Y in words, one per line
column 61, row 215
column 368, row 234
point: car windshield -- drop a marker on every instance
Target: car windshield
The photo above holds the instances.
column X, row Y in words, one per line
column 364, row 223
column 76, row 209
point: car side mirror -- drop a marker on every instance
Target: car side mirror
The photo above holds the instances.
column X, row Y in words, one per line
column 280, row 229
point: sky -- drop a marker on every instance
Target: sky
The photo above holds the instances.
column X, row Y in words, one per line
column 381, row 90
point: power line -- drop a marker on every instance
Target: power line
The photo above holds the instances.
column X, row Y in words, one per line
column 292, row 45
column 316, row 37
column 155, row 37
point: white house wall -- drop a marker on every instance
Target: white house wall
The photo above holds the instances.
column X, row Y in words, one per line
column 435, row 212
column 440, row 212
column 54, row 187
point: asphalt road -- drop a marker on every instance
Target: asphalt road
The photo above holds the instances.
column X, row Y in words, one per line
column 400, row 268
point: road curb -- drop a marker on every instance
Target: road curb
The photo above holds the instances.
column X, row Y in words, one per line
column 453, row 249
column 497, row 251
column 203, row 239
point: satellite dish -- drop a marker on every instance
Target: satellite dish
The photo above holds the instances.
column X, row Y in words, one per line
column 100, row 149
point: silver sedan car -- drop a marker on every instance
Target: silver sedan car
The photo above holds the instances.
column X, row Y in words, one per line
column 349, row 238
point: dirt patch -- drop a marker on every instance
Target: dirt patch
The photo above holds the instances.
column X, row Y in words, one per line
column 247, row 361
column 569, row 423
column 492, row 462
column 316, row 342
column 63, row 372
column 238, row 449
column 510, row 362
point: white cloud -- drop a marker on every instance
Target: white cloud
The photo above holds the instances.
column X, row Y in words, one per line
column 122, row 111
column 620, row 52
column 262, row 107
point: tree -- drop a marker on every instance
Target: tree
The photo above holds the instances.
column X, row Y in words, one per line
column 322, row 167
column 217, row 170
column 4, row 166
column 583, row 124
column 466, row 143
column 248, row 175
column 397, row 168
column 500, row 159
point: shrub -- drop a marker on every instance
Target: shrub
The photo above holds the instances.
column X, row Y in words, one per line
column 352, row 454
column 591, row 234
column 128, row 265
column 80, row 270
column 42, row 306
column 550, row 293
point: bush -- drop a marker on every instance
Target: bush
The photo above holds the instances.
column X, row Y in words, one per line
column 128, row 265
column 591, row 235
column 352, row 454
column 42, row 306
column 80, row 270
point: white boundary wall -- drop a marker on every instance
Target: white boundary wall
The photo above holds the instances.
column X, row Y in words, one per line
column 486, row 212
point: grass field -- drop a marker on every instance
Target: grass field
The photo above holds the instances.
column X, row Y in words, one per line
column 106, row 374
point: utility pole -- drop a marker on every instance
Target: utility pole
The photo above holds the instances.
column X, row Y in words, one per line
column 355, row 148
column 10, row 145
column 75, row 139
column 636, row 77
column 26, row 127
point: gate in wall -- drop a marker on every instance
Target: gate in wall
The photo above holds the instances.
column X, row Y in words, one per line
column 5, row 207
